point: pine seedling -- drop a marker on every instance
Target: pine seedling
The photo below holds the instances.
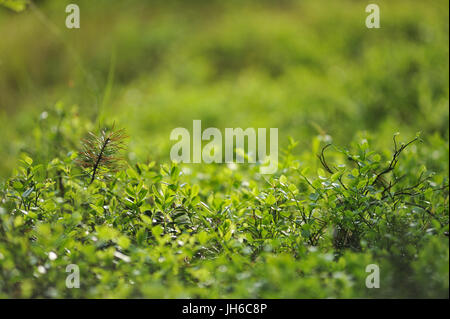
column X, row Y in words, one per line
column 100, row 154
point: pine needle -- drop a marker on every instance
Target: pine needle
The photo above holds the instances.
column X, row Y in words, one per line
column 100, row 154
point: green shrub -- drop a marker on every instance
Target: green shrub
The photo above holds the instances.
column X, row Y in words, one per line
column 158, row 230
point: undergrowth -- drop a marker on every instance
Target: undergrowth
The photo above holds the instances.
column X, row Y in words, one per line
column 163, row 230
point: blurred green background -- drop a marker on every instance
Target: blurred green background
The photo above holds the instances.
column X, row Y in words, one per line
column 310, row 68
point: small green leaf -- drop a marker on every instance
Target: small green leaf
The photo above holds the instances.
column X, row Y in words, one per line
column 270, row 200
column 27, row 192
column 16, row 5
